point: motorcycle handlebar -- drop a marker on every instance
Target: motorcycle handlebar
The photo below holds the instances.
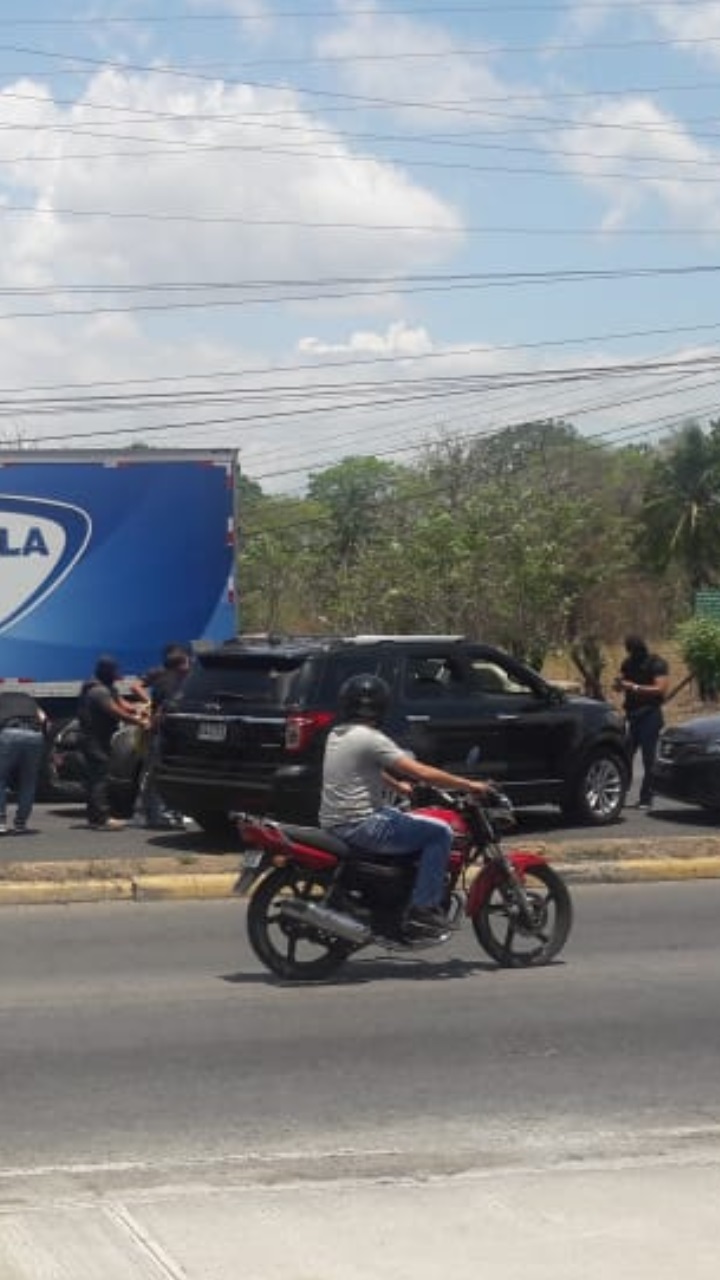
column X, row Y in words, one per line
column 493, row 798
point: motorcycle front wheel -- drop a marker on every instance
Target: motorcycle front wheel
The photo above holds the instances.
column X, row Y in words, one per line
column 289, row 949
column 511, row 938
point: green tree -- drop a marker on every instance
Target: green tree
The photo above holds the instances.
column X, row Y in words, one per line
column 681, row 508
column 353, row 494
column 277, row 564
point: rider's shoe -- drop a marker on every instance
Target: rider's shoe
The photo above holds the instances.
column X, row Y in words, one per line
column 425, row 922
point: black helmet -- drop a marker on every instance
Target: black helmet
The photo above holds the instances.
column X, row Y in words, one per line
column 364, row 697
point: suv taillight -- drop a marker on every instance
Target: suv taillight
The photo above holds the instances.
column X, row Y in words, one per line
column 301, row 727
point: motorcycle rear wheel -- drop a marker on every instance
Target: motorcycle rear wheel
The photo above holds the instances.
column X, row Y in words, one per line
column 515, row 944
column 291, row 950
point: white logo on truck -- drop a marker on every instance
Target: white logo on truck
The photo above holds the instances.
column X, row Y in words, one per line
column 41, row 542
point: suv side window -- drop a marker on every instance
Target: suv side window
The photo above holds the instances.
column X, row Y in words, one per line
column 486, row 677
column 439, row 677
column 341, row 666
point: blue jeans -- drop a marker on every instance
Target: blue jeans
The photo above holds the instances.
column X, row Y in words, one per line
column 643, row 728
column 21, row 753
column 390, row 831
column 149, row 807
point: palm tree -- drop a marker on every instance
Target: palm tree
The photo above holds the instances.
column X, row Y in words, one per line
column 681, row 508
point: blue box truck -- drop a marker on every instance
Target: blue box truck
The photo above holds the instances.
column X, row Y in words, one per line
column 110, row 552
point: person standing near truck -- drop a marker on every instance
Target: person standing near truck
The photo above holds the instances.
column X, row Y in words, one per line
column 161, row 685
column 101, row 710
column 22, row 743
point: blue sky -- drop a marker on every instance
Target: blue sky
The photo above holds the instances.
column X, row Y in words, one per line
column 306, row 229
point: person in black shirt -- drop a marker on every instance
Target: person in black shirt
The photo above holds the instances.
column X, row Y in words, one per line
column 161, row 685
column 101, row 710
column 644, row 680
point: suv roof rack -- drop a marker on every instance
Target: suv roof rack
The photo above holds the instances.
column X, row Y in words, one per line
column 276, row 639
column 399, row 638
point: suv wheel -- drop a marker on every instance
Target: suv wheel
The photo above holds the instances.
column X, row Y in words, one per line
column 600, row 789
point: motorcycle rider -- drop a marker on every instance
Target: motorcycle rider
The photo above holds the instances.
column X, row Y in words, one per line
column 360, row 763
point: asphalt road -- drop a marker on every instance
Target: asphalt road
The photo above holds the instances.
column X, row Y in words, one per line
column 59, row 832
column 150, row 1032
column 168, row 1112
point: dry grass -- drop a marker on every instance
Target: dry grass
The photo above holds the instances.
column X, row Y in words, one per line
column 684, row 705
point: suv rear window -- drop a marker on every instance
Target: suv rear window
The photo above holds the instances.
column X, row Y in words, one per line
column 257, row 678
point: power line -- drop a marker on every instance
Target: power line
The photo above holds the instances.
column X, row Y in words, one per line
column 589, row 407
column 435, row 490
column 523, row 171
column 493, row 49
column 358, row 362
column 171, row 147
column 190, row 73
column 142, row 114
column 375, row 227
column 165, row 19
column 333, row 288
column 356, row 100
column 415, row 393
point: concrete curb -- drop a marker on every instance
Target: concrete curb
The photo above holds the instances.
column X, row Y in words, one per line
column 116, row 880
column 139, row 889
column 595, row 861
column 635, row 871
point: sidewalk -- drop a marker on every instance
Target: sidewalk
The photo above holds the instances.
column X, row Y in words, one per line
column 593, row 860
column 616, row 1221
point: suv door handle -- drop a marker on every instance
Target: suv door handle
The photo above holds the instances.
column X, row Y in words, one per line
column 418, row 719
column 509, row 715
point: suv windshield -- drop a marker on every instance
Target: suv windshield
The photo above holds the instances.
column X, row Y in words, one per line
column 256, row 679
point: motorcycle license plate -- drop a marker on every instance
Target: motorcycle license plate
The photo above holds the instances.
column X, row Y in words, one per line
column 252, row 863
column 252, row 859
column 212, row 731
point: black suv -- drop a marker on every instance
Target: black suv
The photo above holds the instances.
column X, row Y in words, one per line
column 249, row 729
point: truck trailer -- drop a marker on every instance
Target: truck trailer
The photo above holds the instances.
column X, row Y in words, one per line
column 113, row 552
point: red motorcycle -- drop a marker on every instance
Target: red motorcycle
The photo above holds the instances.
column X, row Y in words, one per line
column 315, row 901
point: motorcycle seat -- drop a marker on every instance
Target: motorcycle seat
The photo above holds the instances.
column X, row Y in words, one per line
column 317, row 839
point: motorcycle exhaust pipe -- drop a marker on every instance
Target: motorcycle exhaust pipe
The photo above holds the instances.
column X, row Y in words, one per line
column 334, row 922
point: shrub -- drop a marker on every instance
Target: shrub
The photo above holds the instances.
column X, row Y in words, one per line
column 699, row 640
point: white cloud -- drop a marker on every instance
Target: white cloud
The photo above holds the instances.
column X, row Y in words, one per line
column 241, row 153
column 581, row 20
column 255, row 18
column 379, row 42
column 636, row 154
column 692, row 22
column 400, row 339
column 135, row 155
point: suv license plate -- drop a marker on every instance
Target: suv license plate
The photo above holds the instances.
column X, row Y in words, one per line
column 212, row 731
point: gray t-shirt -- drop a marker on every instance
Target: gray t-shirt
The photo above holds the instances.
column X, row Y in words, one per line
column 355, row 756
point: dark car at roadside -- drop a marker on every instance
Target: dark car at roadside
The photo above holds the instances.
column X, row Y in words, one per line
column 249, row 729
column 687, row 762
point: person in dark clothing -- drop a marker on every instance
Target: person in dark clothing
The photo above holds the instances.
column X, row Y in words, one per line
column 100, row 710
column 160, row 685
column 22, row 743
column 644, row 681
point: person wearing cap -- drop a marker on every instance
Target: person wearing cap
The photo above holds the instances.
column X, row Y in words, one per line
column 100, row 710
